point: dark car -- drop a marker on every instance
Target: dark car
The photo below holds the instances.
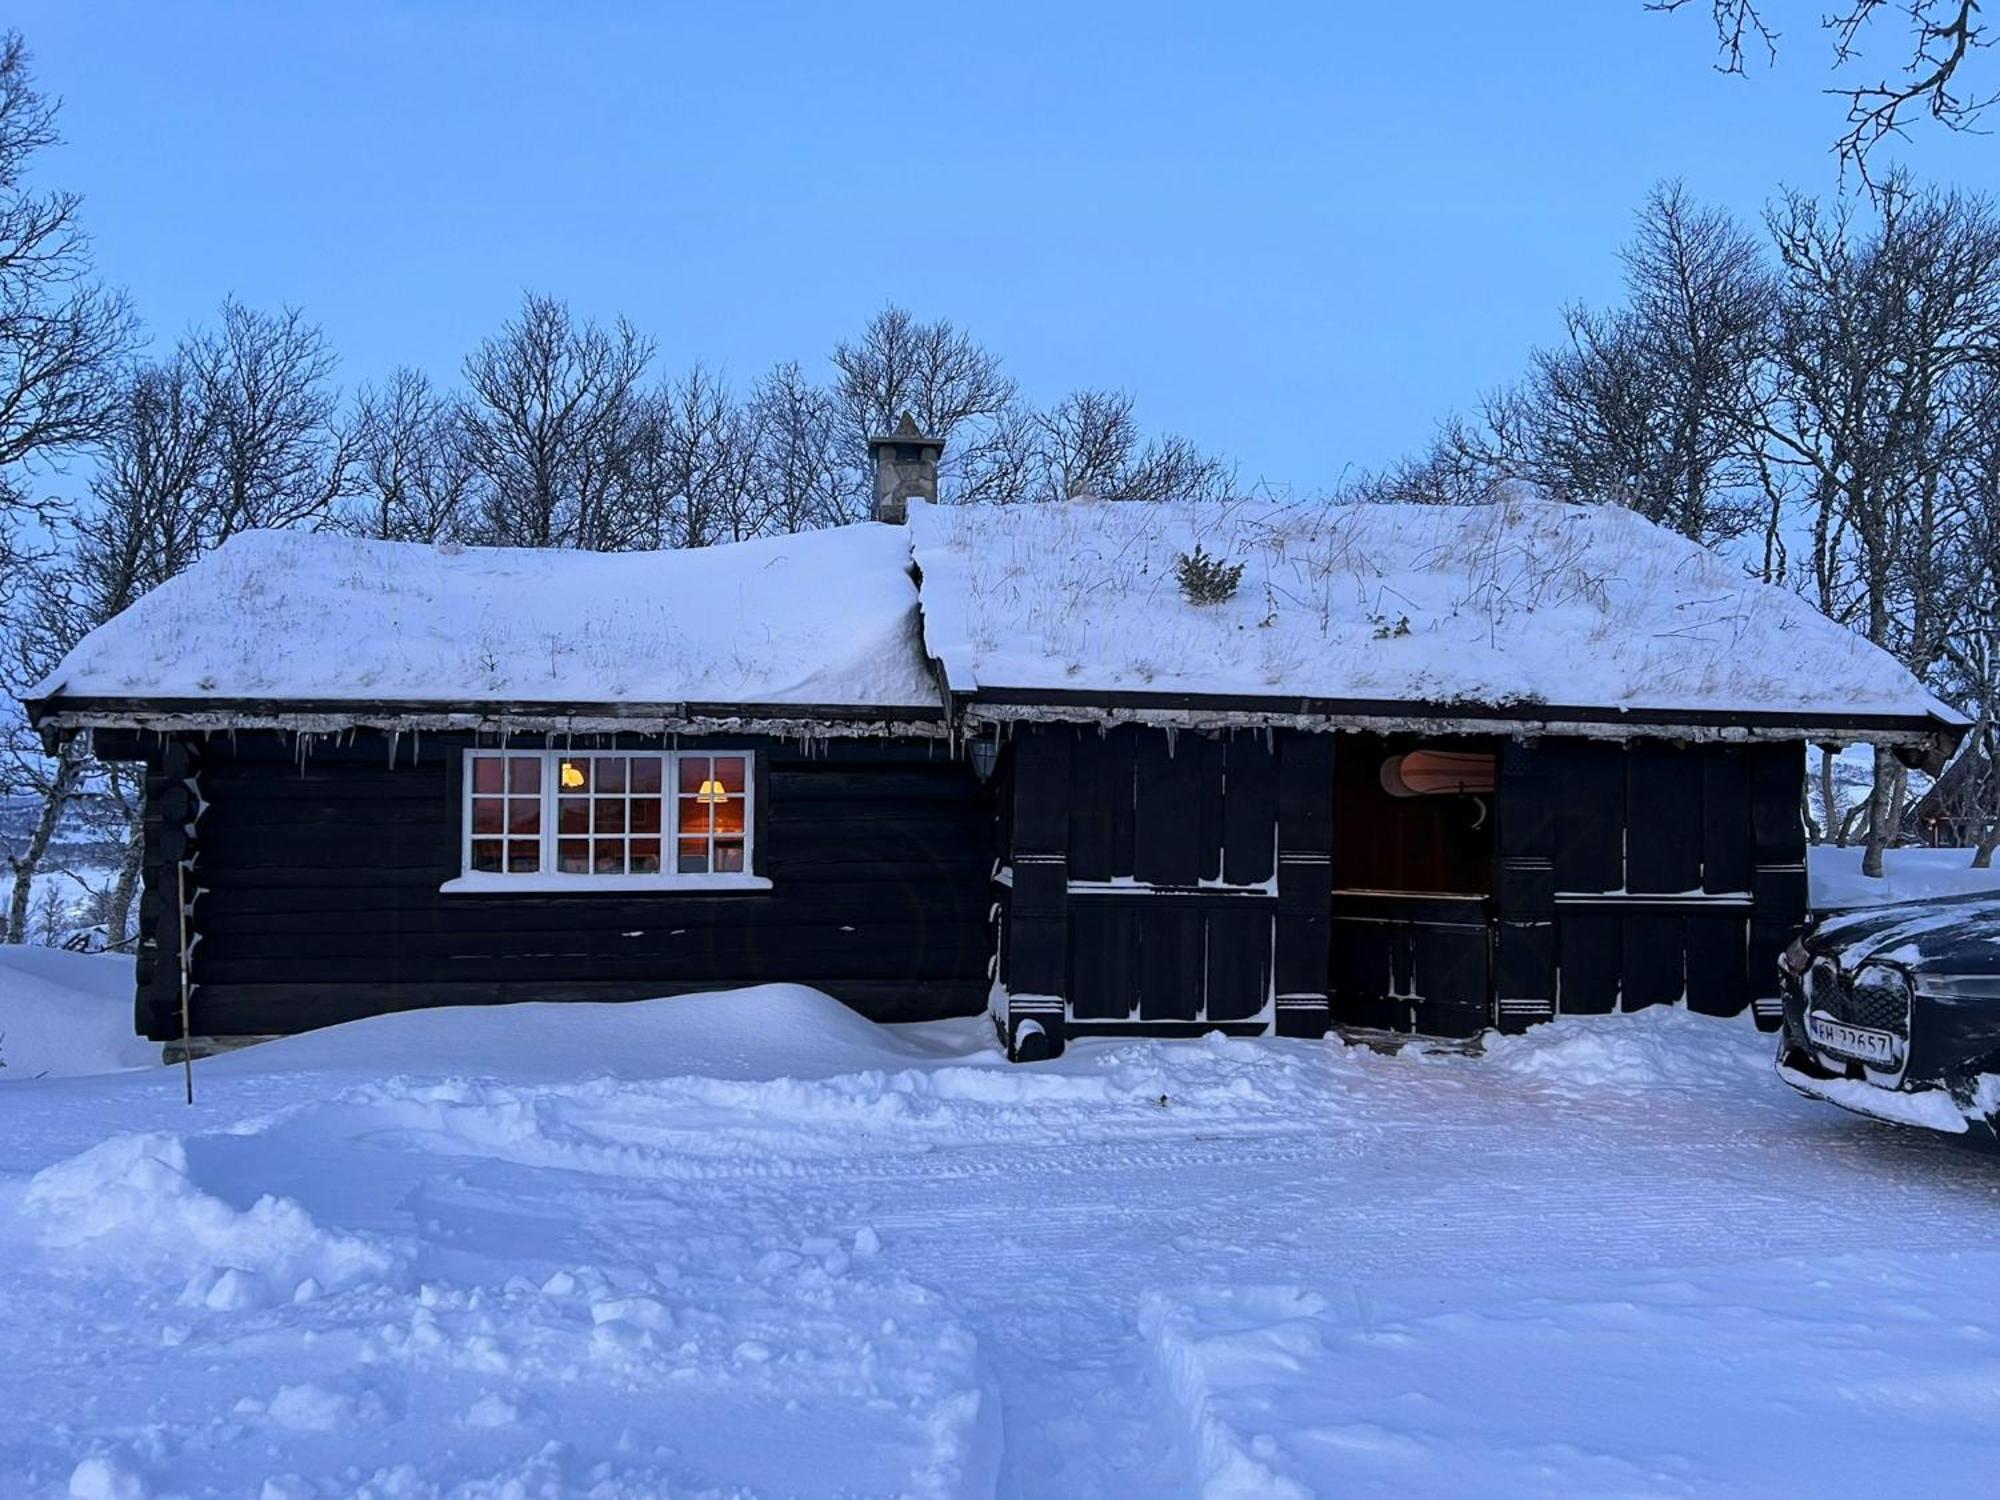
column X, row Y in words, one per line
column 1894, row 1012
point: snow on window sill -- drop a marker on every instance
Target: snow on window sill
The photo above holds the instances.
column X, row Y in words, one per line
column 486, row 884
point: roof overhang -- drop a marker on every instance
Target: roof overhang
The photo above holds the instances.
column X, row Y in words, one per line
column 56, row 716
column 1922, row 741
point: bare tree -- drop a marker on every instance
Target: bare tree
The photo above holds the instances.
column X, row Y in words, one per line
column 1939, row 38
column 1881, row 330
column 804, row 468
column 696, row 463
column 1652, row 405
column 148, row 517
column 280, row 456
column 63, row 336
column 1462, row 466
column 1089, row 445
column 412, row 471
column 547, row 428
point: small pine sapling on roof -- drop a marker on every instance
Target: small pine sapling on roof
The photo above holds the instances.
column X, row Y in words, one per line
column 1205, row 579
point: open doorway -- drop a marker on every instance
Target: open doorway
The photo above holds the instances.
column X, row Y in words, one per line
column 1412, row 874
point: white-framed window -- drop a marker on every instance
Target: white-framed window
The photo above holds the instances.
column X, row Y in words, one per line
column 636, row 820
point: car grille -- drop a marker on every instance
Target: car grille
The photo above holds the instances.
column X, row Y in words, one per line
column 1877, row 998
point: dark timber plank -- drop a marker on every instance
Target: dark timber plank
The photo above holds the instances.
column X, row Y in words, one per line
column 1250, row 810
column 1169, row 823
column 1663, row 820
column 1725, row 820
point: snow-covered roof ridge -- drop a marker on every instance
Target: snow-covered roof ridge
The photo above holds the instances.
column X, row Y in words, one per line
column 826, row 618
column 1525, row 602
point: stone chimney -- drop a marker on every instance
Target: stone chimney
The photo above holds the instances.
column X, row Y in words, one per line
column 906, row 469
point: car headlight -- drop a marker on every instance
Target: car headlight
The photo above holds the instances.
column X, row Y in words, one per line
column 1795, row 959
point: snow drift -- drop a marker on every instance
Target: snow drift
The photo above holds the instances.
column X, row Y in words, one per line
column 63, row 1014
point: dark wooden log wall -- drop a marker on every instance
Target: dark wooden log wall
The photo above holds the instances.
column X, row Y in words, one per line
column 1636, row 875
column 1141, row 866
column 318, row 889
column 1624, row 876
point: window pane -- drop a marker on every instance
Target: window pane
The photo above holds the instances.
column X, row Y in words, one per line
column 645, row 815
column 608, row 856
column 646, row 773
column 729, row 771
column 609, row 775
column 575, row 775
column 694, row 816
column 524, row 773
column 573, row 856
column 729, row 816
column 693, row 857
column 645, row 856
column 485, row 814
column 486, row 855
column 609, row 815
column 694, row 771
column 524, row 815
column 524, row 856
column 573, row 816
column 486, row 773
column 728, row 857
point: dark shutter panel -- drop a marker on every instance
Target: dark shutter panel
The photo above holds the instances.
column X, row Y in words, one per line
column 1208, row 845
column 1239, row 962
column 1662, row 818
column 1717, row 968
column 1171, row 970
column 1725, row 820
column 1655, row 960
column 1590, row 813
column 1104, row 960
column 1094, row 790
column 1169, row 821
column 1590, row 955
column 1250, row 810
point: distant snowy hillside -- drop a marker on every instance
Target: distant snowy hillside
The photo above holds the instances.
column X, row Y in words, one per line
column 1522, row 603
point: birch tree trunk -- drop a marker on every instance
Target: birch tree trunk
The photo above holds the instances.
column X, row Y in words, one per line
column 28, row 863
column 1882, row 803
column 118, row 915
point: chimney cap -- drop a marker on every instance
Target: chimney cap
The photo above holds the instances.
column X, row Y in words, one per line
column 906, row 431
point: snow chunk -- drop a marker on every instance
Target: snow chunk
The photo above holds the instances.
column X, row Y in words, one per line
column 131, row 1200
column 104, row 1477
column 1525, row 603
column 1660, row 1047
column 825, row 617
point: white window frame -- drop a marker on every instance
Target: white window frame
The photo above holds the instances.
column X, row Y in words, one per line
column 548, row 879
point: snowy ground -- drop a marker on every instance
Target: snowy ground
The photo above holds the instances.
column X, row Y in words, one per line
column 749, row 1244
column 1915, row 874
column 63, row 1014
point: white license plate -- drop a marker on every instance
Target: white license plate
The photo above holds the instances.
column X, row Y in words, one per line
column 1858, row 1043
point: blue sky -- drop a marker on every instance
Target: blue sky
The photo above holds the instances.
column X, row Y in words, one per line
column 1299, row 234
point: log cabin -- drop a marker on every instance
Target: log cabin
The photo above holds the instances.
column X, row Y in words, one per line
column 1422, row 770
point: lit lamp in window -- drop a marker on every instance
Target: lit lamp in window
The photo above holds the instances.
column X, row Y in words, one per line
column 572, row 775
column 711, row 793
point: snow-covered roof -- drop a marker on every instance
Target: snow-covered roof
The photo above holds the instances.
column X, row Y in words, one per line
column 826, row 618
column 1522, row 603
column 1504, row 609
